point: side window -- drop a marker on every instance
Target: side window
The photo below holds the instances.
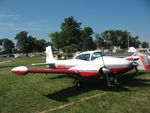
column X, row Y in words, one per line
column 97, row 55
column 85, row 57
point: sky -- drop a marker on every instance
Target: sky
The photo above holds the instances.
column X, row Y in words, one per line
column 42, row 17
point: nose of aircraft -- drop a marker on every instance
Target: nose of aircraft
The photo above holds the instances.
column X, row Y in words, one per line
column 117, row 65
column 21, row 70
column 116, row 62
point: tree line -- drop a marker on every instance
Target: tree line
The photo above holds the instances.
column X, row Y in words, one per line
column 25, row 44
column 72, row 38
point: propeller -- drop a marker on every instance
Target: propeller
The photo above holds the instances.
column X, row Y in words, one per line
column 106, row 72
column 135, row 65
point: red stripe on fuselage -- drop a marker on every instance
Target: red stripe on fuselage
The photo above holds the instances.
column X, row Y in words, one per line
column 62, row 67
column 88, row 74
column 112, row 71
column 119, row 70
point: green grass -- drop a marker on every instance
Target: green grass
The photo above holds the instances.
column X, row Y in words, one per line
column 35, row 93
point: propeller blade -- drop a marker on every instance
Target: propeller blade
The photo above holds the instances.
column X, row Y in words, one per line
column 136, row 70
column 106, row 72
column 135, row 65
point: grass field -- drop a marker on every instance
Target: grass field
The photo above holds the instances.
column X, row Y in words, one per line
column 40, row 93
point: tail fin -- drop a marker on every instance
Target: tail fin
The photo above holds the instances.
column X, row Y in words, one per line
column 49, row 55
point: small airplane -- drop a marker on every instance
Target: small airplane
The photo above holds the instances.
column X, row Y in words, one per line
column 85, row 64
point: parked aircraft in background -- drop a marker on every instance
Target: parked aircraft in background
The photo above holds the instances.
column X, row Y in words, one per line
column 86, row 64
column 141, row 58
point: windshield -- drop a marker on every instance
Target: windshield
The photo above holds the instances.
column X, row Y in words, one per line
column 97, row 55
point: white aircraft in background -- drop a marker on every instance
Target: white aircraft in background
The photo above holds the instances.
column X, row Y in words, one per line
column 86, row 64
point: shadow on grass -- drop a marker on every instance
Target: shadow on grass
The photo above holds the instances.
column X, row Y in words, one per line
column 131, row 80
column 61, row 76
column 88, row 84
column 64, row 94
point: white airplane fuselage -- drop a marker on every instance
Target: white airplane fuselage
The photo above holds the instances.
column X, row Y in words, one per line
column 90, row 68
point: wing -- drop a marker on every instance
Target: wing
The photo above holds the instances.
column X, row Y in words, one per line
column 82, row 70
column 22, row 70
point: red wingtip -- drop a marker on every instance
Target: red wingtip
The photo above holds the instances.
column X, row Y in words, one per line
column 21, row 70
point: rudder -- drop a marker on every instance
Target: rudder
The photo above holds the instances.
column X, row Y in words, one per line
column 49, row 55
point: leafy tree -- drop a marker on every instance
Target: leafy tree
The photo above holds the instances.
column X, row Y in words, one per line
column 56, row 40
column 87, row 42
column 99, row 41
column 70, row 49
column 25, row 43
column 70, row 33
column 134, row 41
column 1, row 42
column 7, row 45
column 145, row 45
column 117, row 38
column 40, row 45
column 48, row 44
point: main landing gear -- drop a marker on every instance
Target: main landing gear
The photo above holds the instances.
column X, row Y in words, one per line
column 77, row 82
column 111, row 80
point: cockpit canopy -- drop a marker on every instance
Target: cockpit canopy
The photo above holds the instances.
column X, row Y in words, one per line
column 90, row 56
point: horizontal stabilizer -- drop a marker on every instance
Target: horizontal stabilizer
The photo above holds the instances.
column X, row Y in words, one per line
column 38, row 64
